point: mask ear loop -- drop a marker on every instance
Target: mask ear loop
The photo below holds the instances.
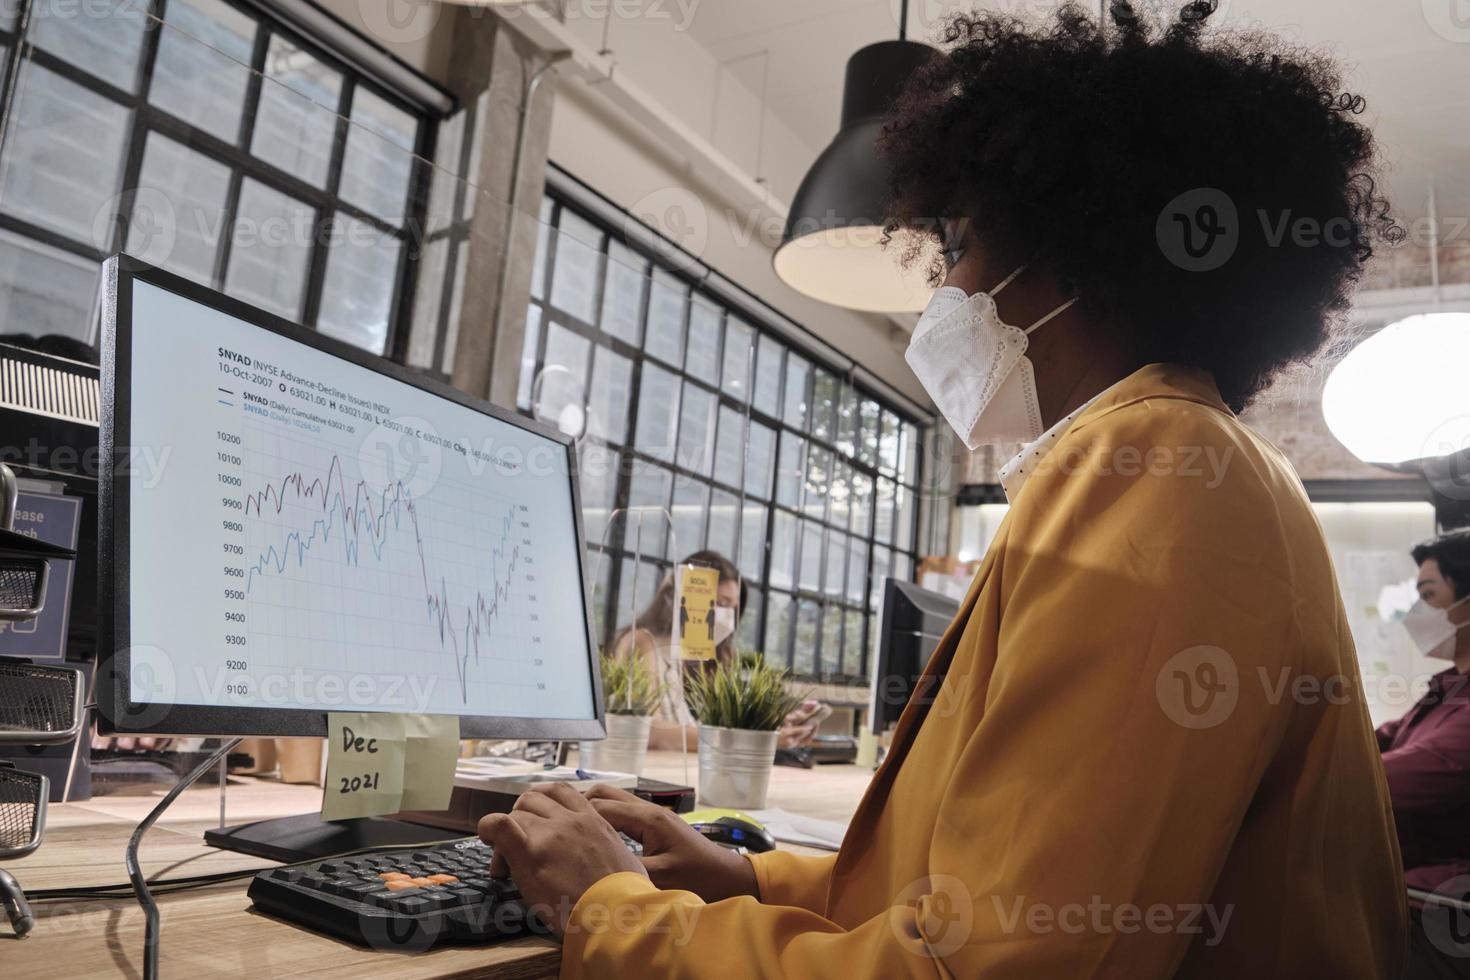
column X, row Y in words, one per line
column 1053, row 314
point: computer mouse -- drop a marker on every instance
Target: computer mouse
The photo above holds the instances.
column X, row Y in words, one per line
column 732, row 828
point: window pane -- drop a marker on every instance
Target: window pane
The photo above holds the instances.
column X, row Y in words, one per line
column 578, row 267
column 607, row 402
column 598, row 481
column 703, row 357
column 824, row 405
column 529, row 348
column 358, row 288
column 847, row 420
column 667, row 302
column 857, row 571
column 795, row 412
column 752, row 540
column 790, row 470
column 852, row 644
column 903, row 533
column 767, row 375
column 543, row 225
column 636, row 589
column 297, row 119
column 729, row 447
column 691, row 505
column 811, row 556
column 268, row 256
column 377, row 163
column 830, row 656
column 658, row 411
column 561, row 394
column 739, row 341
column 778, row 629
column 204, row 84
column 723, row 509
column 601, row 581
column 882, row 561
column 760, row 459
column 696, row 420
column 804, row 647
column 862, row 504
column 748, row 637
column 836, row 563
column 840, row 506
column 63, row 156
column 650, row 490
column 883, row 521
column 622, row 293
column 193, row 188
column 903, row 566
column 102, row 37
column 888, row 444
column 910, row 471
column 44, row 289
column 783, row 550
column 818, row 475
column 868, row 433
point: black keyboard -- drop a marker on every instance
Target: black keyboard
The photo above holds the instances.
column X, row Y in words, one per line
column 404, row 900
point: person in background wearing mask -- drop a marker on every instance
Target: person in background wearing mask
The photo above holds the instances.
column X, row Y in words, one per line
column 652, row 636
column 1426, row 753
column 1091, row 779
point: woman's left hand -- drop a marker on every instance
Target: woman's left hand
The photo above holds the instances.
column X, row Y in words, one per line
column 557, row 846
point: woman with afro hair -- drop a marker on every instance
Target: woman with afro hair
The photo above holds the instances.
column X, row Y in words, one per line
column 1141, row 750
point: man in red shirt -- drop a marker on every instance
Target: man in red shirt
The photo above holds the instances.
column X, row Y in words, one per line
column 1426, row 757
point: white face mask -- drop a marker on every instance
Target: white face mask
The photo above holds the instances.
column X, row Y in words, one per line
column 1431, row 629
column 975, row 367
column 724, row 623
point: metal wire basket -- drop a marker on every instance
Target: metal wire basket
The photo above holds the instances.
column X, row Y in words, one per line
column 39, row 704
column 22, row 810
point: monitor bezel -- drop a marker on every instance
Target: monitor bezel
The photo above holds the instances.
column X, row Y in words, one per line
column 118, row 713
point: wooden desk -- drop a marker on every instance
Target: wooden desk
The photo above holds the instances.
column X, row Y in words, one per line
column 211, row 932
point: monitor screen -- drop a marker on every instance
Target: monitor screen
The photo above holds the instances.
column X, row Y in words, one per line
column 302, row 528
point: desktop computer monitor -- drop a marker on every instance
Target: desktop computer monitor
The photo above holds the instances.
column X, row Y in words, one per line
column 290, row 526
column 911, row 621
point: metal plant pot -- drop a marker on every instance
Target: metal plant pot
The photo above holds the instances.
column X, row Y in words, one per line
column 623, row 750
column 735, row 766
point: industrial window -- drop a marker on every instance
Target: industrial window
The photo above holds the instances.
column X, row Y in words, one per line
column 210, row 140
column 756, row 447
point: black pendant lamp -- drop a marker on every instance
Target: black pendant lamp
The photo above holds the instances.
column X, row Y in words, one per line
column 830, row 249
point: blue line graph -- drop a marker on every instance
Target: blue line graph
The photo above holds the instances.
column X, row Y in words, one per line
column 368, row 516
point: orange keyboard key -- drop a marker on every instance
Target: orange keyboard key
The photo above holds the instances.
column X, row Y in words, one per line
column 394, row 876
column 443, row 879
column 399, row 884
column 423, row 882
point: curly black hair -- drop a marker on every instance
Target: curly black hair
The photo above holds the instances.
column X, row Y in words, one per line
column 1451, row 551
column 1068, row 144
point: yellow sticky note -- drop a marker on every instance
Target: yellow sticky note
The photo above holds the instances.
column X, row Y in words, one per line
column 694, row 612
column 429, row 762
column 365, row 753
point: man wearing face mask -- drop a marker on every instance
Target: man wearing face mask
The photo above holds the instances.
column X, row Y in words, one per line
column 1426, row 753
column 1118, row 761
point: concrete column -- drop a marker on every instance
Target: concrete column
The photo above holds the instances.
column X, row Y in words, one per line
column 482, row 330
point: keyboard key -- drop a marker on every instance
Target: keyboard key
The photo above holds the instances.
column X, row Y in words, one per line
column 312, row 879
column 400, row 884
column 411, row 905
column 465, row 896
column 443, row 879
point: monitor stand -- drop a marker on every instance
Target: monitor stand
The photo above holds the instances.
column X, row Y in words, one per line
column 308, row 837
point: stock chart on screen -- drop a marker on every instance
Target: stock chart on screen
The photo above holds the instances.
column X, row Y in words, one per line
column 338, row 539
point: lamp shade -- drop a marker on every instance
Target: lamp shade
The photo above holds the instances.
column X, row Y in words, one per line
column 830, row 248
column 1403, row 394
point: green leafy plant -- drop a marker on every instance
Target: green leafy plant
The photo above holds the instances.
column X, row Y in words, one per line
column 629, row 686
column 747, row 694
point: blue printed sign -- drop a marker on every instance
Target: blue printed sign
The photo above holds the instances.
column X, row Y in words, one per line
column 54, row 519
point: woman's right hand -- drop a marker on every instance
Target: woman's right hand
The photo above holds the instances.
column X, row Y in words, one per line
column 674, row 853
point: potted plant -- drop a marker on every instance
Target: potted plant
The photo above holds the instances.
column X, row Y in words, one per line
column 739, row 707
column 631, row 694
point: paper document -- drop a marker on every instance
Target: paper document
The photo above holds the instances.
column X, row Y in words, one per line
column 793, row 828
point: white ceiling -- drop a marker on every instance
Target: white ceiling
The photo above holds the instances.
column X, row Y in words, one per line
column 1410, row 60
